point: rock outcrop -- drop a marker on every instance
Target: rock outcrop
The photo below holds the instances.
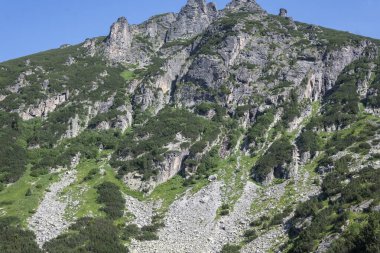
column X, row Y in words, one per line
column 245, row 5
column 44, row 107
column 283, row 13
column 168, row 168
column 193, row 19
column 119, row 41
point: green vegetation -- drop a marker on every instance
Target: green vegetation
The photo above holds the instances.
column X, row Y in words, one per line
column 128, row 75
column 150, row 139
column 228, row 248
column 13, row 199
column 155, row 68
column 111, row 198
column 329, row 216
column 169, row 191
column 292, row 109
column 256, row 134
column 14, row 239
column 87, row 144
column 250, row 235
column 88, row 235
column 373, row 100
column 342, row 101
column 309, row 141
column 224, row 210
column 13, row 156
column 335, row 39
column 62, row 78
column 212, row 39
column 205, row 167
column 30, row 149
column 179, row 43
column 278, row 154
column 363, row 238
column 146, row 233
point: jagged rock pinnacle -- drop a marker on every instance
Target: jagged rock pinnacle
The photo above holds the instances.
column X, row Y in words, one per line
column 119, row 40
column 283, row 13
column 193, row 18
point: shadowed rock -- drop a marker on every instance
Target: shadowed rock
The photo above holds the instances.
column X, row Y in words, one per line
column 283, row 13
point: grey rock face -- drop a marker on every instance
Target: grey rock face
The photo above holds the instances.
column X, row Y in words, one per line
column 156, row 27
column 168, row 168
column 283, row 13
column 244, row 5
column 193, row 19
column 206, row 71
column 44, row 107
column 119, row 41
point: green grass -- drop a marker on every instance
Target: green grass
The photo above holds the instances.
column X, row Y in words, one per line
column 85, row 191
column 128, row 75
column 13, row 201
column 168, row 191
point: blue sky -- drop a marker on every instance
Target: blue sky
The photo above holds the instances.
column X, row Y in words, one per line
column 30, row 26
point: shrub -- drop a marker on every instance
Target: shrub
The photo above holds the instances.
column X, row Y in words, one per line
column 309, row 141
column 91, row 174
column 257, row 132
column 250, row 235
column 13, row 239
column 130, row 231
column 13, row 156
column 228, row 248
column 88, row 235
column 279, row 152
column 111, row 198
column 224, row 209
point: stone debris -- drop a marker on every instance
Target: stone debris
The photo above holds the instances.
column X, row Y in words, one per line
column 265, row 242
column 48, row 221
column 142, row 211
column 191, row 224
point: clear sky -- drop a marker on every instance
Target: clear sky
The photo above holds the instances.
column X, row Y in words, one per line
column 30, row 26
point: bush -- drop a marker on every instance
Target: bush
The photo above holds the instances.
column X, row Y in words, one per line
column 257, row 132
column 131, row 231
column 88, row 235
column 147, row 147
column 28, row 193
column 250, row 235
column 224, row 209
column 13, row 157
column 279, row 152
column 292, row 109
column 112, row 199
column 91, row 174
column 309, row 141
column 341, row 103
column 228, row 248
column 14, row 239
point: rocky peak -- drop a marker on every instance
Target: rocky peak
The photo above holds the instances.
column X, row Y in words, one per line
column 119, row 40
column 193, row 19
column 244, row 5
column 283, row 13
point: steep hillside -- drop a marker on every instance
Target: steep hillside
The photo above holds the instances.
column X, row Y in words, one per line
column 198, row 131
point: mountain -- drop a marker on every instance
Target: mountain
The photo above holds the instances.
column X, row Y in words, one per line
column 206, row 130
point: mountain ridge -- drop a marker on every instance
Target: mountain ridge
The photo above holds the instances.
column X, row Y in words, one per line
column 251, row 126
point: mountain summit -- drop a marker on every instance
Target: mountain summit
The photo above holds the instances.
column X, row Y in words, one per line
column 206, row 130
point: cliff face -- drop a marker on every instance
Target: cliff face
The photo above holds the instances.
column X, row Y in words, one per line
column 209, row 98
